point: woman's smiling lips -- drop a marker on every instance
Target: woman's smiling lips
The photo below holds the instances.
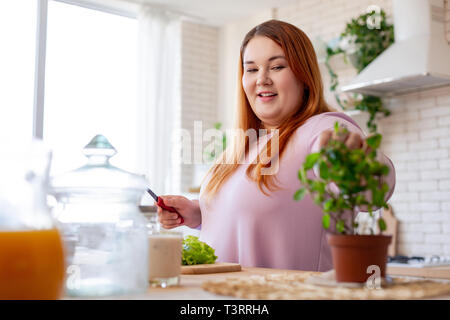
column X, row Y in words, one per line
column 266, row 96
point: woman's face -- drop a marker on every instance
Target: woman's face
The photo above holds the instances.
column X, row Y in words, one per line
column 273, row 91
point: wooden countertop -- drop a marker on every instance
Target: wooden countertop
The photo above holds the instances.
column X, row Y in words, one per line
column 190, row 285
column 437, row 272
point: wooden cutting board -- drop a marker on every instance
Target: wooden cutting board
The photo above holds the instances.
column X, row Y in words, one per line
column 211, row 268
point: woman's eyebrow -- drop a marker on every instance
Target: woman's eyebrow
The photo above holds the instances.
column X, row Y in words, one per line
column 270, row 59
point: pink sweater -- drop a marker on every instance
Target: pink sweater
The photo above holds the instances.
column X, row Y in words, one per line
column 245, row 226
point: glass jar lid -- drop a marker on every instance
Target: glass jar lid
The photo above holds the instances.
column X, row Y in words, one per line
column 98, row 178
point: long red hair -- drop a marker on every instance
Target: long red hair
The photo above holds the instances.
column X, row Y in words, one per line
column 302, row 59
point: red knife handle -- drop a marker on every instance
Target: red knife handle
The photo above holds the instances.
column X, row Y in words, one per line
column 170, row 209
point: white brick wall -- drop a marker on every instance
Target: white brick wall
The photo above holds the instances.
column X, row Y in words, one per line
column 424, row 168
column 199, row 85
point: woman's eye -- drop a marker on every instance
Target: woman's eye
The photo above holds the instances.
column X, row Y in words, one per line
column 278, row 67
column 252, row 70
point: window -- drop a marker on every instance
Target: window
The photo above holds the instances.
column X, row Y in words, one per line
column 17, row 65
column 91, row 84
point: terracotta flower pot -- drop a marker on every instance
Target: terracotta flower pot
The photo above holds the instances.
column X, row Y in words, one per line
column 353, row 254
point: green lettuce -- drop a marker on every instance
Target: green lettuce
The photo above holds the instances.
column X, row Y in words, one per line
column 196, row 252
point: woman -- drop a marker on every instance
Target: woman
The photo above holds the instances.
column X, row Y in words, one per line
column 250, row 217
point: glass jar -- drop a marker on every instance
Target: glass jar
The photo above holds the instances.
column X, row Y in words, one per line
column 165, row 253
column 104, row 232
column 31, row 248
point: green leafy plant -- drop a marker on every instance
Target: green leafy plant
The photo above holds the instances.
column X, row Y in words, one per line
column 355, row 172
column 196, row 252
column 361, row 42
column 211, row 154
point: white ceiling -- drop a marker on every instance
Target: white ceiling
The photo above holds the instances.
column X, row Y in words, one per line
column 218, row 12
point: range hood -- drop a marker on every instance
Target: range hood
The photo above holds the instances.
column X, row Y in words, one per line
column 418, row 59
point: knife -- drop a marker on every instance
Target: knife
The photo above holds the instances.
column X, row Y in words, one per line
column 161, row 204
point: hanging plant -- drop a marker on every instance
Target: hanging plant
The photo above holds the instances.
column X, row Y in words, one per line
column 364, row 39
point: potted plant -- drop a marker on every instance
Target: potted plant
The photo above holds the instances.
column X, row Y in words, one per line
column 363, row 40
column 346, row 182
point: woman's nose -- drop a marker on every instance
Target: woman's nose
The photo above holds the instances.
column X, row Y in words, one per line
column 263, row 78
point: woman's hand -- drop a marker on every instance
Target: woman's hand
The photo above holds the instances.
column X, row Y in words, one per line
column 351, row 139
column 188, row 209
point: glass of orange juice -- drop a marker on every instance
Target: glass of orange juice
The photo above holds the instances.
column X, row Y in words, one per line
column 31, row 247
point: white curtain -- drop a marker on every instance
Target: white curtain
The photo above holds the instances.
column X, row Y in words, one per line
column 159, row 96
